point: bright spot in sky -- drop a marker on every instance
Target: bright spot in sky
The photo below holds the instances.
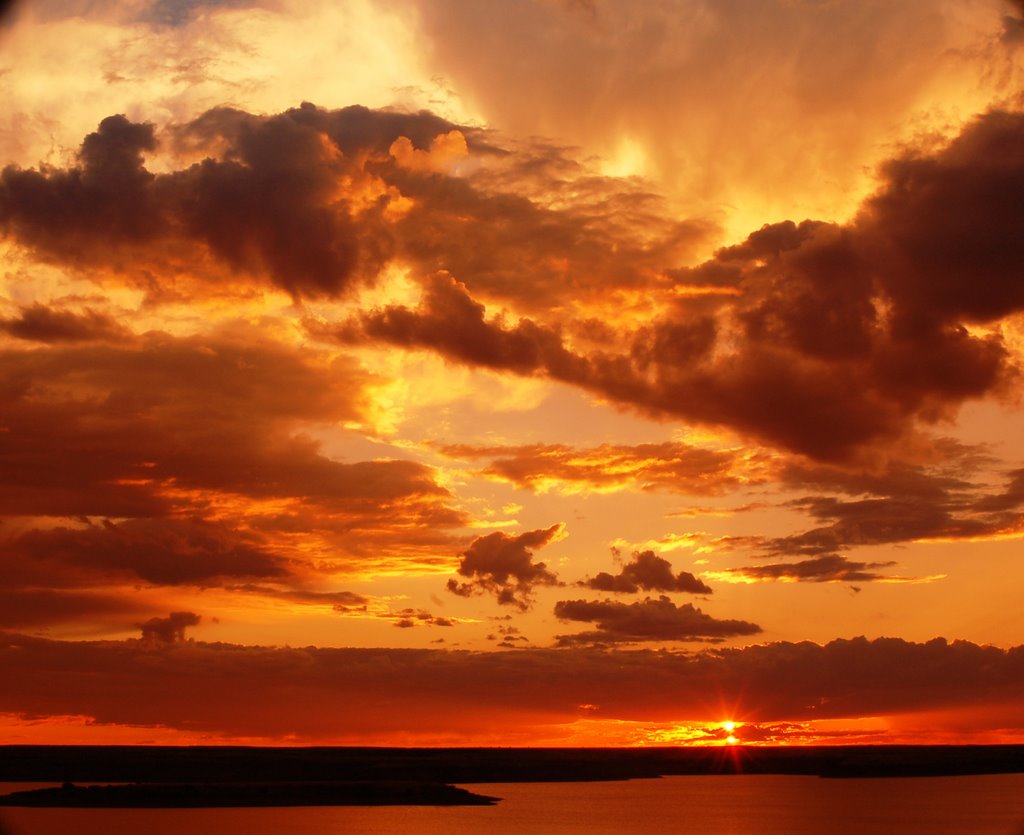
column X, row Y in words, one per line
column 729, row 725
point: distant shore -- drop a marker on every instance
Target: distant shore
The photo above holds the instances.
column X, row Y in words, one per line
column 224, row 795
column 443, row 768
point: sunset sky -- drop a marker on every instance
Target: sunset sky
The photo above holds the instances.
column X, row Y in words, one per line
column 562, row 372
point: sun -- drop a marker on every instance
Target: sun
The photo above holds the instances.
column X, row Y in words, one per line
column 729, row 726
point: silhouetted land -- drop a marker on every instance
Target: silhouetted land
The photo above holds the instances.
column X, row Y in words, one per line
column 208, row 795
column 201, row 765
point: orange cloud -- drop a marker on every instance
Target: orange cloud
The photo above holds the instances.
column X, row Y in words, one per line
column 364, row 695
column 837, row 343
column 676, row 467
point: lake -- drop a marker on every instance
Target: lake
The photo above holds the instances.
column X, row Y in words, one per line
column 715, row 805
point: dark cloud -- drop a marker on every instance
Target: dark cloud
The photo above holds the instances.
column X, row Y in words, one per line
column 342, row 602
column 168, row 630
column 826, row 569
column 503, row 564
column 177, row 13
column 942, row 221
column 450, row 322
column 315, row 201
column 648, row 572
column 956, row 510
column 358, row 695
column 408, row 618
column 825, row 339
column 39, row 323
column 269, row 208
column 159, row 551
column 536, row 229
column 7, row 10
column 819, row 338
column 1012, row 498
column 33, row 608
column 647, row 620
column 139, row 430
column 181, row 462
column 1013, row 25
column 892, row 503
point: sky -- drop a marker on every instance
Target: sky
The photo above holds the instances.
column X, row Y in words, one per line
column 552, row 372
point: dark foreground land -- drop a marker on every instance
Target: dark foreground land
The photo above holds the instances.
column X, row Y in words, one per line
column 237, row 776
column 221, row 795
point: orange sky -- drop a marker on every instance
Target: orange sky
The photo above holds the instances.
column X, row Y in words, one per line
column 556, row 372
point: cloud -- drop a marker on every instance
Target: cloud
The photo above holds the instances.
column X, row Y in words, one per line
column 317, row 202
column 270, row 208
column 825, row 569
column 342, row 602
column 691, row 92
column 836, row 342
column 1012, row 498
column 363, row 695
column 39, row 323
column 649, row 572
column 408, row 618
column 168, row 630
column 819, row 338
column 961, row 514
column 503, row 564
column 450, row 322
column 649, row 620
column 895, row 503
column 24, row 607
column 170, row 425
column 181, row 462
column 160, row 551
column 670, row 466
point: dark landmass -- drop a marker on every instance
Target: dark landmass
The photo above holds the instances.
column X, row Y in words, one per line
column 210, row 795
column 440, row 766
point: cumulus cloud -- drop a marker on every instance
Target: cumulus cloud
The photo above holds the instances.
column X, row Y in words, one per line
column 648, row 572
column 316, row 202
column 647, row 620
column 818, row 337
column 502, row 564
column 836, row 341
column 168, row 630
column 269, row 210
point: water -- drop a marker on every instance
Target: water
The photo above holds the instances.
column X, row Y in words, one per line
column 725, row 805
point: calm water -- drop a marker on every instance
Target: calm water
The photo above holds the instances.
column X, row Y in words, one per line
column 731, row 805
